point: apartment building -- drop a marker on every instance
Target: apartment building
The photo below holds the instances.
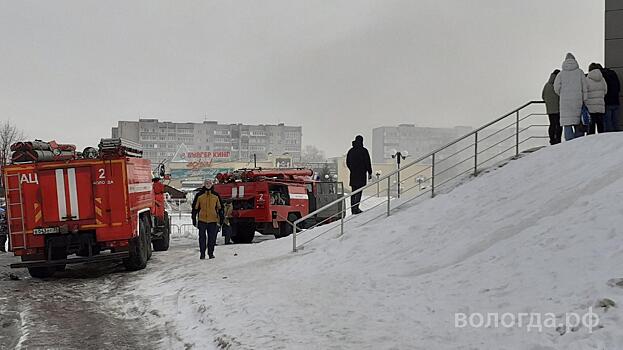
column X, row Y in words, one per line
column 233, row 142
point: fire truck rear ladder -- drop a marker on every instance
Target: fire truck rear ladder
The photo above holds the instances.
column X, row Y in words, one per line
column 21, row 210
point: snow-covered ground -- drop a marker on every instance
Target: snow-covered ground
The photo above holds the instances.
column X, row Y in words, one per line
column 540, row 235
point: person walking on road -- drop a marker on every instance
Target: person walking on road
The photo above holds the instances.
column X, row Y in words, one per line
column 359, row 164
column 595, row 99
column 4, row 230
column 552, row 105
column 611, row 117
column 206, row 215
column 570, row 84
column 226, row 227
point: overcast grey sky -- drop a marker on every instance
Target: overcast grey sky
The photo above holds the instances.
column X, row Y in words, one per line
column 70, row 69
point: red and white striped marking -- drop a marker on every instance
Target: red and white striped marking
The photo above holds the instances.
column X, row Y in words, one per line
column 60, row 195
column 73, row 193
column 70, row 192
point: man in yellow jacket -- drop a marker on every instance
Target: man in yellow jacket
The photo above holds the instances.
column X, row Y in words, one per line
column 207, row 216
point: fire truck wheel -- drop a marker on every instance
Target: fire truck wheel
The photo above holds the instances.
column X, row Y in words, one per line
column 42, row 272
column 138, row 249
column 148, row 236
column 243, row 232
column 59, row 254
column 162, row 244
column 285, row 228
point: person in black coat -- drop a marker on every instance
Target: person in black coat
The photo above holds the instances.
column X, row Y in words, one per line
column 360, row 166
column 4, row 230
column 611, row 118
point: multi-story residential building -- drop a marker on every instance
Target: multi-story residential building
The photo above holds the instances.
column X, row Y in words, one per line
column 233, row 142
column 407, row 137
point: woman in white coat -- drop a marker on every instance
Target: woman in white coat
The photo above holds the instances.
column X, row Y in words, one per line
column 595, row 101
column 571, row 86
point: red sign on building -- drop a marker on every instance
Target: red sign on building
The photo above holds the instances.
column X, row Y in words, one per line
column 206, row 155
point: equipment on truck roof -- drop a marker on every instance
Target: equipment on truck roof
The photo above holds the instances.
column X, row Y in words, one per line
column 120, row 147
column 259, row 174
column 39, row 151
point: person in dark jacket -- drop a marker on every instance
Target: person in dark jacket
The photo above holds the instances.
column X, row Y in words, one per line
column 228, row 210
column 552, row 105
column 360, row 166
column 4, row 230
column 611, row 117
column 207, row 216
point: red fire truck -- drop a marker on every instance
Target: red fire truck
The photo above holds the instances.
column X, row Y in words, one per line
column 60, row 202
column 270, row 200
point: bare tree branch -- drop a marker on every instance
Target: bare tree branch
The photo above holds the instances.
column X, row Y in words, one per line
column 311, row 154
column 9, row 134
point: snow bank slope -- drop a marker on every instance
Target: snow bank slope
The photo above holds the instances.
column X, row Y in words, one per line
column 540, row 235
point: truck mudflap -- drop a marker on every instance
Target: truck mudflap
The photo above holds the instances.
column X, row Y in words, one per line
column 78, row 260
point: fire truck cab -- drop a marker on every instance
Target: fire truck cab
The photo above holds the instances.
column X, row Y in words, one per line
column 100, row 204
column 270, row 200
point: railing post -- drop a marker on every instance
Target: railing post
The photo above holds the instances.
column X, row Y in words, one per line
column 294, row 237
column 398, row 182
column 343, row 215
column 517, row 135
column 432, row 178
column 476, row 153
column 389, row 196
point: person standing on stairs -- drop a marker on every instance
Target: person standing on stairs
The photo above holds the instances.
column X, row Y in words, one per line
column 552, row 105
column 571, row 86
column 611, row 117
column 595, row 100
column 359, row 164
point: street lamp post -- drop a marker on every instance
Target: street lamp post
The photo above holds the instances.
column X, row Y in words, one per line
column 399, row 156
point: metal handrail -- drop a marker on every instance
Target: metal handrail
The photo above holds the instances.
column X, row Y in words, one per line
column 387, row 177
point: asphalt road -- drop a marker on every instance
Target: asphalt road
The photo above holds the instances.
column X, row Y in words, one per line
column 73, row 309
column 69, row 310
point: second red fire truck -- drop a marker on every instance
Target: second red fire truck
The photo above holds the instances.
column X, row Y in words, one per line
column 270, row 200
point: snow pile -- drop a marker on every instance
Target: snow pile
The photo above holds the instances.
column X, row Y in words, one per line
column 540, row 235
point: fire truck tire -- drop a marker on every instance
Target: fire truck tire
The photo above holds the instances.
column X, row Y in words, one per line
column 59, row 254
column 285, row 228
column 147, row 221
column 243, row 232
column 138, row 249
column 162, row 244
column 42, row 272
